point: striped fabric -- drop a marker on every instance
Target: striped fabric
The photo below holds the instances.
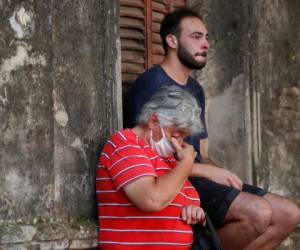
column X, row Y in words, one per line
column 126, row 158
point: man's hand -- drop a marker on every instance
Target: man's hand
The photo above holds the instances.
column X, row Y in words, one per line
column 192, row 214
column 184, row 151
column 225, row 177
column 217, row 174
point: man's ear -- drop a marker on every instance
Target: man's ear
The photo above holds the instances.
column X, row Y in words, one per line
column 153, row 121
column 172, row 41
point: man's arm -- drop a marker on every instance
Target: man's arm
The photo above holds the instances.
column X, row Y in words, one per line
column 151, row 194
column 204, row 152
column 209, row 170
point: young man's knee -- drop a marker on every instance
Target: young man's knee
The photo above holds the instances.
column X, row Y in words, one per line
column 291, row 215
column 286, row 212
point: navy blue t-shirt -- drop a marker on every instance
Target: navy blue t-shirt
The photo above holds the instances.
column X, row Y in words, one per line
column 146, row 85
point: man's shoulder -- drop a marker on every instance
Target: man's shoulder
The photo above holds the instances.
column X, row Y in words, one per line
column 155, row 69
column 119, row 139
column 152, row 76
column 148, row 82
column 124, row 136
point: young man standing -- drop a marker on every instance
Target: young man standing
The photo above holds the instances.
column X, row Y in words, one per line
column 246, row 216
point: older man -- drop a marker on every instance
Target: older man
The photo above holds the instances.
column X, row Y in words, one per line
column 144, row 198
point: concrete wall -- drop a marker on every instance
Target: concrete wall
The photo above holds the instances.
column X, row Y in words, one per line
column 226, row 85
column 275, row 61
column 59, row 100
column 274, row 58
column 253, row 92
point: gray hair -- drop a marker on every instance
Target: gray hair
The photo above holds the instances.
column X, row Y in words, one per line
column 173, row 106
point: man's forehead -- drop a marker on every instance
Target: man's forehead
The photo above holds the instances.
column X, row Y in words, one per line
column 192, row 24
column 175, row 129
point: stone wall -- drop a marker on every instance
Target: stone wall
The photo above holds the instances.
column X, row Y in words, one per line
column 226, row 86
column 60, row 97
column 59, row 100
column 253, row 92
column 274, row 60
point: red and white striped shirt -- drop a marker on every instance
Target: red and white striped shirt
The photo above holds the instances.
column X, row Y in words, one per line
column 124, row 159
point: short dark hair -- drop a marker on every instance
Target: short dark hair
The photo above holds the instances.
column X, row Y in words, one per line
column 171, row 24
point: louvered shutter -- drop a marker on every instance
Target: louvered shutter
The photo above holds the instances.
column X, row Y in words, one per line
column 132, row 33
column 139, row 30
column 159, row 9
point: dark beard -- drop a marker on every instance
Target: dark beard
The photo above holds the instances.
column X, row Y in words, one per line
column 187, row 59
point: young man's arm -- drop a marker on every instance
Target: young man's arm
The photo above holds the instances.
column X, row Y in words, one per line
column 209, row 170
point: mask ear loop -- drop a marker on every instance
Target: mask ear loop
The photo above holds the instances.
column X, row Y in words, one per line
column 164, row 136
column 151, row 134
column 162, row 131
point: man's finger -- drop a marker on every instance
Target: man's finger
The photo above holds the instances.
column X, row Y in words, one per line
column 235, row 184
column 183, row 214
column 189, row 214
column 176, row 144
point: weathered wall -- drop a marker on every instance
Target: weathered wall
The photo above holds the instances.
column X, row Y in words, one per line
column 225, row 82
column 275, row 73
column 59, row 99
column 253, row 91
column 275, row 61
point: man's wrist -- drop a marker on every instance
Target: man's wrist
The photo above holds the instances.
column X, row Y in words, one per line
column 187, row 162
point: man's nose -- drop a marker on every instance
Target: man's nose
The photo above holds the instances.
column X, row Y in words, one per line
column 205, row 44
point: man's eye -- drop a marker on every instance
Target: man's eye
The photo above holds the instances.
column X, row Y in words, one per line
column 197, row 36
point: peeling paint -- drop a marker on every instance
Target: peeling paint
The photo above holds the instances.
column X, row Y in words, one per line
column 3, row 98
column 15, row 61
column 18, row 187
column 20, row 59
column 77, row 143
column 62, row 118
column 22, row 23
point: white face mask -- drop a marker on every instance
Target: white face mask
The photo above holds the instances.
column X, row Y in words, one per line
column 163, row 147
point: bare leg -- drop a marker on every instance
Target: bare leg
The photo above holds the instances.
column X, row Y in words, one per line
column 285, row 217
column 248, row 217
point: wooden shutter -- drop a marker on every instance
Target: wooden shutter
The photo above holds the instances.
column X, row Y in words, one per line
column 133, row 40
column 159, row 9
column 141, row 45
